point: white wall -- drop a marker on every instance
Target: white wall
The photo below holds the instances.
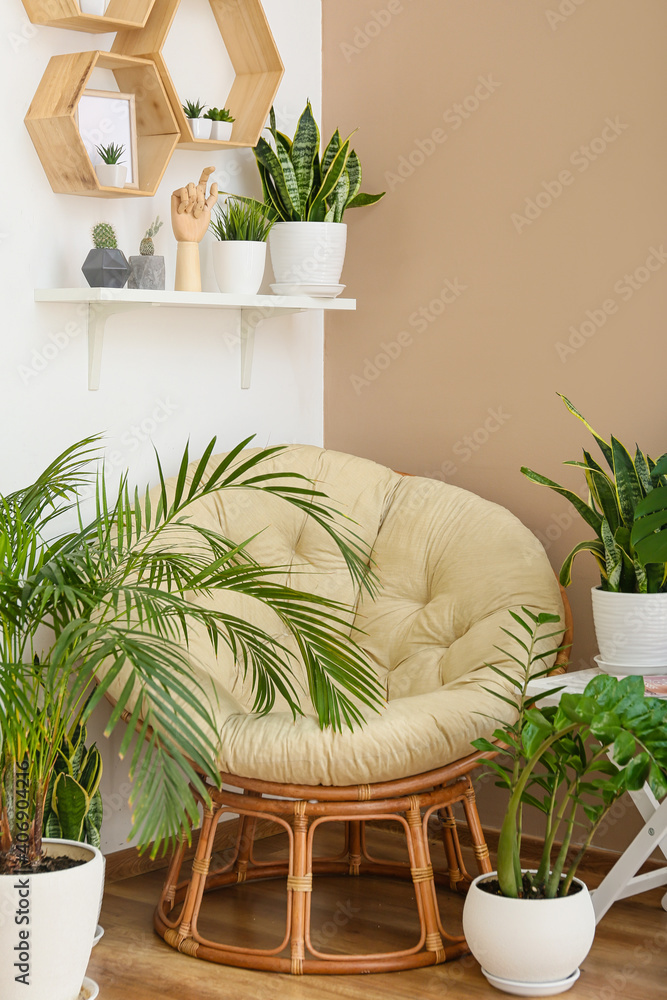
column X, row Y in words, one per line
column 167, row 374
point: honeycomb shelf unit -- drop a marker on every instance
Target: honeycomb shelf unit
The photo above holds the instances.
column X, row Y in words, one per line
column 120, row 15
column 247, row 37
column 52, row 123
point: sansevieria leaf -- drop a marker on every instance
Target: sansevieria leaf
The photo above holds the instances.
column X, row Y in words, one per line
column 305, row 147
column 70, row 803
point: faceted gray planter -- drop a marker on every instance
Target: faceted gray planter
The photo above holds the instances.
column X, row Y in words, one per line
column 147, row 272
column 106, row 268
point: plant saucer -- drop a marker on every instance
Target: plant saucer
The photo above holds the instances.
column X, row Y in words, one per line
column 519, row 989
column 90, row 990
column 632, row 669
column 316, row 291
column 99, row 934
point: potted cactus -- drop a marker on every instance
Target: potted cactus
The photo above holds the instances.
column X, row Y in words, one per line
column 221, row 123
column 148, row 271
column 111, row 172
column 200, row 126
column 105, row 266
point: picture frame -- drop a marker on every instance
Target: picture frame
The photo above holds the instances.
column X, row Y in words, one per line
column 105, row 116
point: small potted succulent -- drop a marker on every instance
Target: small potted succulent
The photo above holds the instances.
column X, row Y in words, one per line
column 200, row 126
column 530, row 929
column 241, row 229
column 105, row 266
column 111, row 172
column 626, row 509
column 221, row 123
column 148, row 270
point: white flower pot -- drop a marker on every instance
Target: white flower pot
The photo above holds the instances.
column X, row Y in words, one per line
column 631, row 630
column 529, row 942
column 53, row 949
column 239, row 266
column 221, row 131
column 97, row 7
column 308, row 253
column 200, row 127
column 111, row 175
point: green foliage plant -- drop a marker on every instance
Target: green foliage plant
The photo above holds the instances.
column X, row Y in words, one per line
column 104, row 236
column 220, row 115
column 571, row 762
column 193, row 109
column 627, row 510
column 73, row 807
column 241, row 220
column 111, row 154
column 299, row 185
column 119, row 594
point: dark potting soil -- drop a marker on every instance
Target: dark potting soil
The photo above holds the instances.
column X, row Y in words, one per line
column 10, row 864
column 492, row 886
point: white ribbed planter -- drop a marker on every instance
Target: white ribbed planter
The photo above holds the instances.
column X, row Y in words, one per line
column 631, row 630
column 239, row 266
column 308, row 253
column 53, row 949
column 529, row 943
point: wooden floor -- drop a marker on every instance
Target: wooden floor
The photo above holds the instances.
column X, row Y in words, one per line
column 628, row 960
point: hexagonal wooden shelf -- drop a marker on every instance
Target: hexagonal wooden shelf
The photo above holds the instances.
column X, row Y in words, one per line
column 52, row 124
column 120, row 15
column 253, row 53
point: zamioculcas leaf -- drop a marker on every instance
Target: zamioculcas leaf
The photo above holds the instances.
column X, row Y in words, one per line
column 649, row 537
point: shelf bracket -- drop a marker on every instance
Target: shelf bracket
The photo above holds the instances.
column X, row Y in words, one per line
column 250, row 320
column 98, row 314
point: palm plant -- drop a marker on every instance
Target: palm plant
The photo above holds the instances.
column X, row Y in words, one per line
column 626, row 509
column 571, row 762
column 120, row 596
column 241, row 220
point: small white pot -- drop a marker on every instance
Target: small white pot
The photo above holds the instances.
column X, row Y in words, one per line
column 308, row 253
column 201, row 127
column 97, row 7
column 63, row 910
column 239, row 266
column 532, row 942
column 631, row 630
column 111, row 175
column 221, row 131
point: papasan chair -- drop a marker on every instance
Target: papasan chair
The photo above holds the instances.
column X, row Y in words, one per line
column 449, row 566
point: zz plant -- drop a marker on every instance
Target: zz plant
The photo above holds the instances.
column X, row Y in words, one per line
column 627, row 510
column 118, row 595
column 571, row 762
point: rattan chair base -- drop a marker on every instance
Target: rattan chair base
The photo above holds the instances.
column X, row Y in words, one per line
column 300, row 811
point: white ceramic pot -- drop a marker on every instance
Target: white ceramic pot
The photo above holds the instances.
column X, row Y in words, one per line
column 201, row 127
column 111, row 175
column 97, row 7
column 631, row 630
column 221, row 131
column 239, row 266
column 51, row 951
column 308, row 253
column 532, row 942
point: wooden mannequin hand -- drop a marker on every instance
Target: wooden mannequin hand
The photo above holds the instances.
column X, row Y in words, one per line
column 191, row 209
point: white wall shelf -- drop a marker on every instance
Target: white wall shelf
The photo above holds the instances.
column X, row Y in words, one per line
column 252, row 310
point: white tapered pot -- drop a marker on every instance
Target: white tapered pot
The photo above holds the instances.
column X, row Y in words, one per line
column 47, row 926
column 97, row 7
column 239, row 266
column 111, row 175
column 631, row 631
column 308, row 253
column 221, row 131
column 532, row 942
column 200, row 127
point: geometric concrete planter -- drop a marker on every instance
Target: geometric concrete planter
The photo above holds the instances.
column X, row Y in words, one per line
column 147, row 272
column 106, row 268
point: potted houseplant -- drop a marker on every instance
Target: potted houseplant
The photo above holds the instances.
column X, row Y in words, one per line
column 148, row 270
column 222, row 122
column 239, row 254
column 200, row 126
column 627, row 511
column 79, row 585
column 308, row 194
column 530, row 929
column 105, row 266
column 111, row 172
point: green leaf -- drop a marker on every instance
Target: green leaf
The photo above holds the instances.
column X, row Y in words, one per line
column 279, row 167
column 305, row 147
column 595, row 546
column 637, row 772
column 590, row 516
column 329, row 181
column 624, row 748
column 628, row 487
column 353, row 171
column 604, row 447
column 70, row 803
column 362, row 200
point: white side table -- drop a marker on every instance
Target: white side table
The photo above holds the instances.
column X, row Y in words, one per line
column 622, row 881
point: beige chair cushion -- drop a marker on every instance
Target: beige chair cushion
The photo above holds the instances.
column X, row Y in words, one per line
column 449, row 564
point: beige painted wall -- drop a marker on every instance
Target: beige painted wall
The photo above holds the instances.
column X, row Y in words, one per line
column 469, row 297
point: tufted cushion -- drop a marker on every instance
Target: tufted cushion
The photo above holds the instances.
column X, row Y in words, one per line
column 449, row 564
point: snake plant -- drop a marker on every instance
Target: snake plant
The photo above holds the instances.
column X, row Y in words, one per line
column 73, row 807
column 627, row 510
column 301, row 186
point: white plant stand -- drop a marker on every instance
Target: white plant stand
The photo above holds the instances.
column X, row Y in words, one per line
column 622, row 881
column 252, row 310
